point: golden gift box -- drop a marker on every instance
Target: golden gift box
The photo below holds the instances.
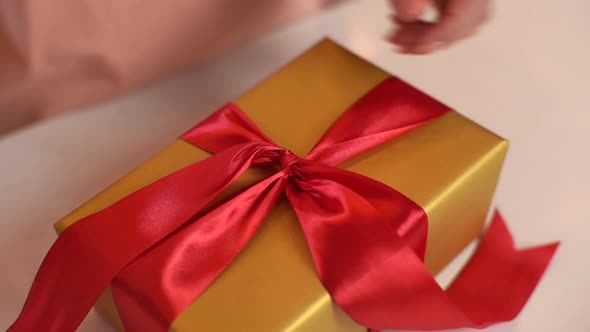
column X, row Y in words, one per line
column 449, row 167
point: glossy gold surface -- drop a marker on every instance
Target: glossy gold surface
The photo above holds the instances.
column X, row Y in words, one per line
column 450, row 167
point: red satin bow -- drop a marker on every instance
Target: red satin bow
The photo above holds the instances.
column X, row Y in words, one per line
column 367, row 240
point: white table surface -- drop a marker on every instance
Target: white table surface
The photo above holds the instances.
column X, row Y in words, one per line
column 525, row 76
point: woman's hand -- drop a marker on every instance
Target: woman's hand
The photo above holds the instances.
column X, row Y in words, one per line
column 457, row 19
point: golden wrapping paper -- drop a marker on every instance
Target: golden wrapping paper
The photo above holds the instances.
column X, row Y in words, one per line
column 449, row 167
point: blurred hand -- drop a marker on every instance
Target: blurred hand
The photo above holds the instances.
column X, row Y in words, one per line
column 457, row 19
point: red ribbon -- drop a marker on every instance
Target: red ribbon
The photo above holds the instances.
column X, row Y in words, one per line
column 367, row 240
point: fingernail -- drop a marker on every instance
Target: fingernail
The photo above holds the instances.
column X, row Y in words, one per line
column 414, row 11
column 402, row 49
column 437, row 45
column 389, row 37
column 410, row 13
column 421, row 49
column 395, row 38
column 428, row 47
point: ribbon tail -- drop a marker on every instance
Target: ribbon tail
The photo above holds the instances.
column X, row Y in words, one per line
column 376, row 273
column 493, row 287
column 496, row 283
column 89, row 254
column 182, row 266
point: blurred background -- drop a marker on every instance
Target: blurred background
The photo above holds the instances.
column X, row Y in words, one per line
column 88, row 90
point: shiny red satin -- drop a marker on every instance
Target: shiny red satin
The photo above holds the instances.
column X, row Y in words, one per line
column 367, row 240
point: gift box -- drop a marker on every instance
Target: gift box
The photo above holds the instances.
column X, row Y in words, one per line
column 236, row 227
column 449, row 167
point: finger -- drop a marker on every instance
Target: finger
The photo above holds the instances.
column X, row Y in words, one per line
column 409, row 10
column 410, row 33
column 459, row 19
column 409, row 38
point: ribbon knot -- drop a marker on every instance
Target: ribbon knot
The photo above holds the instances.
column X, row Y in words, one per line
column 287, row 158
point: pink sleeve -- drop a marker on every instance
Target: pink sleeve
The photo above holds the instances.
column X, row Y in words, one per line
column 61, row 54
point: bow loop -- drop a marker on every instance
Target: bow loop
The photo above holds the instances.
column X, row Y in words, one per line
column 227, row 127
